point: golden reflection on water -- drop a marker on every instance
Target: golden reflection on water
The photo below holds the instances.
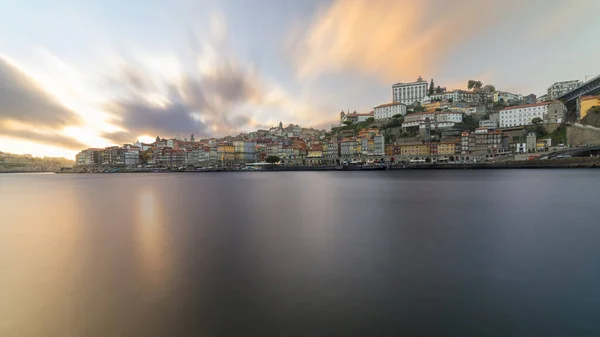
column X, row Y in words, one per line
column 40, row 257
column 151, row 242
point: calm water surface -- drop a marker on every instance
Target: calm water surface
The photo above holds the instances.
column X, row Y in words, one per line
column 470, row 253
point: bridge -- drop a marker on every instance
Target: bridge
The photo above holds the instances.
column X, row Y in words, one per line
column 571, row 98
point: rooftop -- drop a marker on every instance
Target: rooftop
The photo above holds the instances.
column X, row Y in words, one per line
column 388, row 104
column 526, row 105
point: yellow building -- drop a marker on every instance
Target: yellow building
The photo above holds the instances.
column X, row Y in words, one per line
column 586, row 103
column 315, row 152
column 415, row 149
column 226, row 152
column 430, row 107
column 446, row 148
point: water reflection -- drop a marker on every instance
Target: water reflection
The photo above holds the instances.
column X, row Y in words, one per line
column 151, row 242
column 40, row 255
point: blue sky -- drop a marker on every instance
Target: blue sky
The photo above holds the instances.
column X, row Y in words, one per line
column 76, row 74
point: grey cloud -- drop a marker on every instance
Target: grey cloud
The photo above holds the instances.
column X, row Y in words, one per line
column 54, row 139
column 198, row 104
column 23, row 101
column 143, row 118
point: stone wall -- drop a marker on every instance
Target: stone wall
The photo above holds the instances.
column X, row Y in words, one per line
column 582, row 135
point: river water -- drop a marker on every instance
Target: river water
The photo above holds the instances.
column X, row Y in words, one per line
column 414, row 253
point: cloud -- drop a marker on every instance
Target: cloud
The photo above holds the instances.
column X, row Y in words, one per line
column 217, row 94
column 23, row 100
column 47, row 137
column 388, row 38
column 28, row 112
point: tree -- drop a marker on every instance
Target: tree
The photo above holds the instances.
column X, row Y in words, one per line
column 474, row 85
column 438, row 90
column 370, row 120
column 272, row 159
column 347, row 123
column 489, row 88
column 469, row 123
column 537, row 121
column 431, row 87
column 398, row 116
column 418, row 107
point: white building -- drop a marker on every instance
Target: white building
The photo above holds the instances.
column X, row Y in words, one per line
column 389, row 110
column 132, row 156
column 379, row 147
column 355, row 117
column 488, row 124
column 506, row 96
column 521, row 148
column 437, row 119
column 408, row 93
column 549, row 112
column 456, row 96
column 559, row 88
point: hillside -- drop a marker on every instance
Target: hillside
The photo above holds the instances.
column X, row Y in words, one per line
column 593, row 117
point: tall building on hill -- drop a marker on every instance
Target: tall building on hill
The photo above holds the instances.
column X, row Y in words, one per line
column 408, row 93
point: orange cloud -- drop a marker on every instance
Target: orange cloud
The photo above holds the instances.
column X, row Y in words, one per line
column 393, row 39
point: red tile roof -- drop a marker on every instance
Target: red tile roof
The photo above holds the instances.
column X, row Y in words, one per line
column 527, row 105
column 388, row 104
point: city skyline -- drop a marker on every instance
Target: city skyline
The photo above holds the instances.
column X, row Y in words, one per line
column 90, row 75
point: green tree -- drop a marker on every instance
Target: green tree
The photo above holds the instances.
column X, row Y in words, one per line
column 370, row 120
column 469, row 123
column 431, row 87
column 347, row 123
column 474, row 85
column 438, row 90
column 418, row 107
column 537, row 121
column 272, row 159
column 398, row 116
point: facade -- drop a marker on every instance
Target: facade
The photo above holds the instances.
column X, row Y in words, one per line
column 484, row 141
column 389, row 110
column 549, row 112
column 559, row 88
column 521, row 148
column 446, row 148
column 488, row 124
column 132, row 156
column 355, row 117
column 379, row 145
column 244, row 151
column 90, row 157
column 506, row 97
column 437, row 119
column 461, row 96
column 586, row 103
column 531, row 141
column 542, row 98
column 349, row 147
column 226, row 152
column 408, row 93
column 414, row 149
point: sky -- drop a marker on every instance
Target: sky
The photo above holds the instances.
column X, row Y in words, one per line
column 76, row 74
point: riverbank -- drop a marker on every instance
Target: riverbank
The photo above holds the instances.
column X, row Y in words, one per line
column 566, row 163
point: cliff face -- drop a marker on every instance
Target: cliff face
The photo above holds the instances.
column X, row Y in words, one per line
column 593, row 117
